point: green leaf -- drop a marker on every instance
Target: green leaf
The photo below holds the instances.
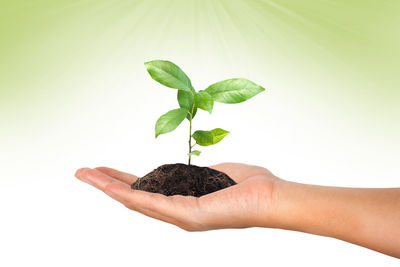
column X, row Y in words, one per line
column 194, row 152
column 204, row 101
column 206, row 138
column 185, row 100
column 168, row 74
column 170, row 120
column 233, row 90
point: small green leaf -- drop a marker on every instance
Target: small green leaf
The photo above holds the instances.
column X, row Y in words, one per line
column 194, row 152
column 233, row 90
column 204, row 101
column 168, row 74
column 206, row 138
column 170, row 120
column 185, row 100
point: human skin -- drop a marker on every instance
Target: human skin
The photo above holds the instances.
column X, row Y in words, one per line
column 369, row 217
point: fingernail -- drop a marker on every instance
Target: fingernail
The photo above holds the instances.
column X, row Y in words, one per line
column 80, row 174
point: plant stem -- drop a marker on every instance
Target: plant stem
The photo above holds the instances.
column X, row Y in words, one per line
column 190, row 134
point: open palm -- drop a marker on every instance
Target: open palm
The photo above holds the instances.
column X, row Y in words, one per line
column 246, row 204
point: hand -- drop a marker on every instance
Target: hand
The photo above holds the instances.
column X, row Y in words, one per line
column 248, row 203
column 261, row 199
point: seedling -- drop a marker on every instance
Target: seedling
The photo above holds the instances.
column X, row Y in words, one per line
column 229, row 91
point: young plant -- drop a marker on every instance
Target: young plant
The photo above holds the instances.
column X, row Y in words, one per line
column 229, row 91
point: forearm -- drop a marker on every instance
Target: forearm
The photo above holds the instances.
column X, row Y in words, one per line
column 367, row 217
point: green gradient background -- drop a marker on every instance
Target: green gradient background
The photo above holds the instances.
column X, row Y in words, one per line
column 339, row 57
column 350, row 47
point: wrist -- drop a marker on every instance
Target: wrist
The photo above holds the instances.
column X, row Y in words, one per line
column 312, row 209
column 284, row 208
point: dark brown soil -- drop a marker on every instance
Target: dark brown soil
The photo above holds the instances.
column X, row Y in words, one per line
column 181, row 179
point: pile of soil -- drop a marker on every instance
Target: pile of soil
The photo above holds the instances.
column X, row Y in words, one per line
column 181, row 179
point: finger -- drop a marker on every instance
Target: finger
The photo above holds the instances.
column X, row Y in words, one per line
column 95, row 177
column 114, row 191
column 122, row 176
column 102, row 181
column 153, row 205
column 167, row 207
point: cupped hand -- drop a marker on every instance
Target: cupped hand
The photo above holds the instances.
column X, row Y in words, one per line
column 251, row 202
